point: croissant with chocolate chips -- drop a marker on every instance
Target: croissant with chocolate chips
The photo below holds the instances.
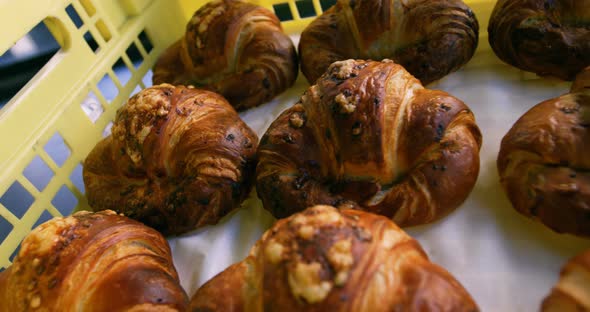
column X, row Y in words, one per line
column 547, row 37
column 92, row 262
column 429, row 38
column 572, row 291
column 234, row 48
column 178, row 158
column 544, row 161
column 323, row 259
column 369, row 136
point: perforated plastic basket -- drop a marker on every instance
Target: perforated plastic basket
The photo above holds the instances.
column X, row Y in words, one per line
column 50, row 126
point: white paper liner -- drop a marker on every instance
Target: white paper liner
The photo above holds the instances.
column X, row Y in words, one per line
column 506, row 261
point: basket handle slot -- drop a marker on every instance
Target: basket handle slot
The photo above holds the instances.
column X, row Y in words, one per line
column 134, row 7
column 30, row 54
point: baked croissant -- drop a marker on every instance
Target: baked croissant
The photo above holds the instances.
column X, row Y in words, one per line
column 323, row 259
column 178, row 158
column 92, row 262
column 544, row 37
column 544, row 161
column 582, row 81
column 234, row 48
column 369, row 136
column 572, row 292
column 429, row 38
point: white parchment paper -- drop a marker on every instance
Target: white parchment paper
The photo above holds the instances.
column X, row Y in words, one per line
column 506, row 262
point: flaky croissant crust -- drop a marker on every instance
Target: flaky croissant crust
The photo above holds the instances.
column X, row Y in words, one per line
column 572, row 291
column 544, row 162
column 234, row 48
column 544, row 37
column 92, row 262
column 178, row 158
column 429, row 38
column 324, row 259
column 369, row 136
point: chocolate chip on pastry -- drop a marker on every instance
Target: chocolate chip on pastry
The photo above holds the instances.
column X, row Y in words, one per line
column 369, row 136
column 429, row 38
column 547, row 37
column 234, row 48
column 544, row 162
column 572, row 291
column 178, row 158
column 92, row 262
column 325, row 259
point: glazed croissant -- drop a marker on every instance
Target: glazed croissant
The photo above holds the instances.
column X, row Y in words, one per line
column 178, row 158
column 582, row 81
column 572, row 291
column 544, row 37
column 92, row 262
column 369, row 136
column 429, row 38
column 323, row 259
column 234, row 48
column 544, row 162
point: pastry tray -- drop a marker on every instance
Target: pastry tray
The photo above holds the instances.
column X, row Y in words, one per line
column 506, row 261
column 107, row 48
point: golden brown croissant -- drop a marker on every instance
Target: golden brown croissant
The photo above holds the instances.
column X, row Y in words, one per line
column 572, row 292
column 369, row 136
column 325, row 259
column 429, row 38
column 178, row 158
column 582, row 81
column 92, row 262
column 234, row 48
column 544, row 161
column 544, row 37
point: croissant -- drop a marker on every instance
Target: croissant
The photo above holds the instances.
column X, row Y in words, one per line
column 543, row 161
column 582, row 81
column 323, row 259
column 178, row 158
column 544, row 37
column 572, row 292
column 233, row 48
column 429, row 38
column 92, row 262
column 369, row 136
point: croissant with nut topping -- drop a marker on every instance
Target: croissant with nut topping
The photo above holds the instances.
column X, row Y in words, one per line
column 544, row 161
column 92, row 262
column 234, row 48
column 178, row 158
column 369, row 136
column 429, row 38
column 323, row 259
column 547, row 37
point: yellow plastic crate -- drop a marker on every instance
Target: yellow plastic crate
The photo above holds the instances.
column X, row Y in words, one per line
column 45, row 125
